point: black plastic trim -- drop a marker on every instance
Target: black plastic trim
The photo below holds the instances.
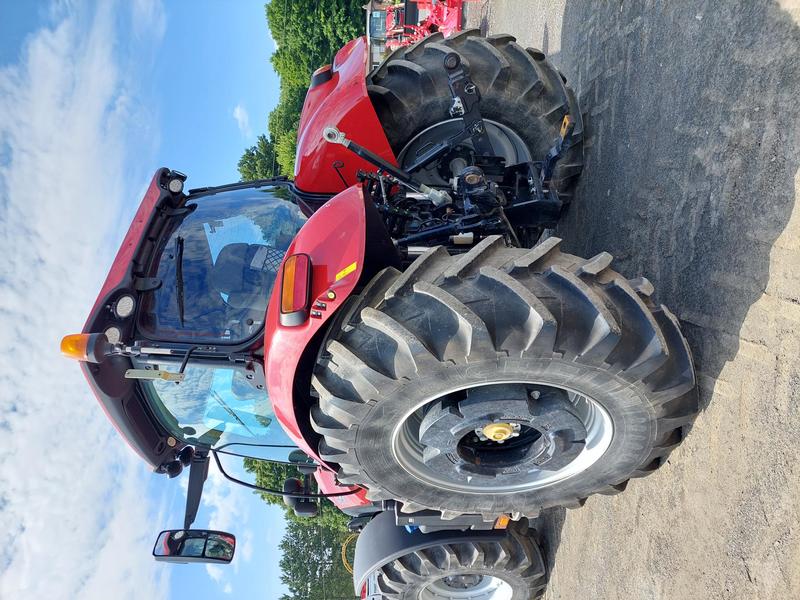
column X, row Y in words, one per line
column 322, row 75
column 382, row 541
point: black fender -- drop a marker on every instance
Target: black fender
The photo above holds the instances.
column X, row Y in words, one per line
column 382, row 541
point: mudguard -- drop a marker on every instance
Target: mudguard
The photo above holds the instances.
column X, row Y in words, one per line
column 337, row 239
column 338, row 97
column 382, row 541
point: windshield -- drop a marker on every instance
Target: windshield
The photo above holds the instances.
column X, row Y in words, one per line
column 215, row 406
column 218, row 266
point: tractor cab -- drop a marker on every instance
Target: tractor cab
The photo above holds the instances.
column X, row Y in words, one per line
column 174, row 346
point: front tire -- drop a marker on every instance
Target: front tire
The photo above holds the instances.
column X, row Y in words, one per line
column 510, row 569
column 586, row 379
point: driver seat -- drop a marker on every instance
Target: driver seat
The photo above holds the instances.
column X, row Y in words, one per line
column 245, row 273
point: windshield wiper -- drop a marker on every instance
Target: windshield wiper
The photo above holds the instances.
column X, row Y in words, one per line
column 179, row 276
column 230, row 411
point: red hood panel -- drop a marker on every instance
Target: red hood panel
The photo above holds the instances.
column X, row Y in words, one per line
column 343, row 102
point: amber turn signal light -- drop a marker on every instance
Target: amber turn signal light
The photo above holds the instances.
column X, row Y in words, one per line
column 295, row 290
column 501, row 522
column 86, row 347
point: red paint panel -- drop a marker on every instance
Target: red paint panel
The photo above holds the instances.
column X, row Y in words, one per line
column 334, row 239
column 119, row 272
column 341, row 102
column 327, row 485
column 122, row 262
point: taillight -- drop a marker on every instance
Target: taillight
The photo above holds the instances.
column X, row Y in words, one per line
column 295, row 290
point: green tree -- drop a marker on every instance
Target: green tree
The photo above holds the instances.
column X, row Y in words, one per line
column 308, row 34
column 285, row 150
column 311, row 563
column 259, row 161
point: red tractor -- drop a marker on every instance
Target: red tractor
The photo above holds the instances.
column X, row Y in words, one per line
column 395, row 323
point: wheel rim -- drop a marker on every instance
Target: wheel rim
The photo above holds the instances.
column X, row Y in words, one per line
column 467, row 587
column 505, row 141
column 548, row 455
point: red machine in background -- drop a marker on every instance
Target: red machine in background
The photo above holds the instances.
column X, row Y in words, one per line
column 444, row 16
column 391, row 25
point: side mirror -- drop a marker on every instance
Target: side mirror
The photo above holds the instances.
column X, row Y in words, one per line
column 194, row 545
column 302, row 462
column 302, row 507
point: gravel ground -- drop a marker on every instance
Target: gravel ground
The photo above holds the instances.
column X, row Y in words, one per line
column 693, row 143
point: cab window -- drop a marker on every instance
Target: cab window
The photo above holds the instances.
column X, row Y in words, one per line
column 216, row 406
column 218, row 266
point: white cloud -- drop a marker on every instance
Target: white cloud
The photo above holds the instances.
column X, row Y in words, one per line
column 245, row 546
column 148, row 18
column 242, row 120
column 74, row 137
column 228, row 589
column 215, row 572
column 226, row 510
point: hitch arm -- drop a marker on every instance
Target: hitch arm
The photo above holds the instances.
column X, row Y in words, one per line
column 466, row 101
column 334, row 136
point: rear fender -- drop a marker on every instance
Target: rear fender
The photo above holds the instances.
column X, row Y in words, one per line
column 338, row 97
column 347, row 244
column 382, row 541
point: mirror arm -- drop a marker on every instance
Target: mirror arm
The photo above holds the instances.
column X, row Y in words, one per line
column 281, row 493
column 198, row 471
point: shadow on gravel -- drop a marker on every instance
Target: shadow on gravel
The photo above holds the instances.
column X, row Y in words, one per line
column 692, row 150
column 548, row 534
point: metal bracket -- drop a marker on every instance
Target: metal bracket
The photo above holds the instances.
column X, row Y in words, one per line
column 153, row 374
column 549, row 162
column 466, row 98
column 146, row 284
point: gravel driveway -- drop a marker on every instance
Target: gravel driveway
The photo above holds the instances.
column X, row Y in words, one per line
column 693, row 142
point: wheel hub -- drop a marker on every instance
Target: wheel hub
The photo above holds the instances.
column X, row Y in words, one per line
column 502, row 437
column 467, row 586
column 500, row 432
column 539, row 426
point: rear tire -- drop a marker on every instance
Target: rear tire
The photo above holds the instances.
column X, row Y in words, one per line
column 511, row 569
column 500, row 316
column 520, row 89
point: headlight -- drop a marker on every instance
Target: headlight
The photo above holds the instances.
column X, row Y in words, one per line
column 113, row 334
column 125, row 306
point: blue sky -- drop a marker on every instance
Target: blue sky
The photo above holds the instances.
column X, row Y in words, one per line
column 94, row 96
